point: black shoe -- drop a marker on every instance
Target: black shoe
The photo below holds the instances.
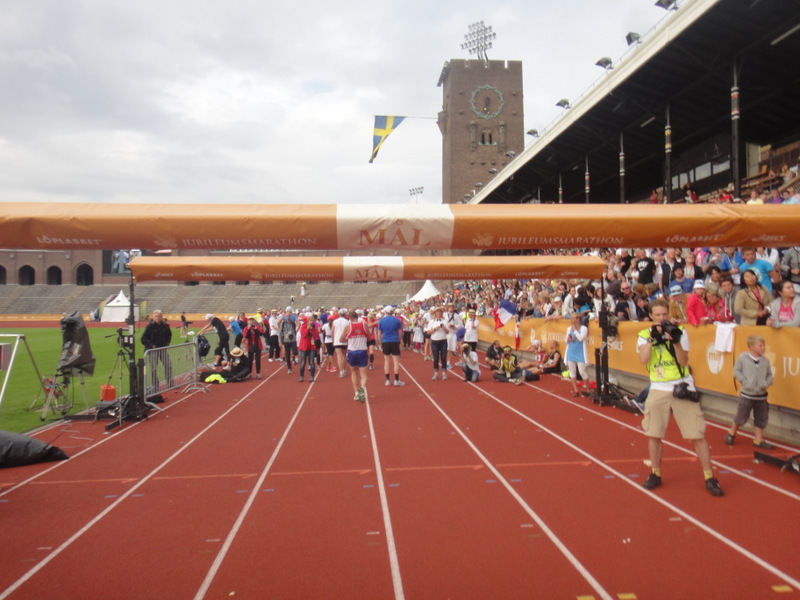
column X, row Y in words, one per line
column 652, row 482
column 712, row 485
column 763, row 445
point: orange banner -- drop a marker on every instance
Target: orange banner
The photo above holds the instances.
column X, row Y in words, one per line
column 712, row 370
column 362, row 268
column 392, row 227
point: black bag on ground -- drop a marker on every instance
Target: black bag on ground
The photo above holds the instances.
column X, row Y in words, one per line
column 17, row 450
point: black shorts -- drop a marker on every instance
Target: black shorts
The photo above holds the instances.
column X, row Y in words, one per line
column 329, row 348
column 391, row 348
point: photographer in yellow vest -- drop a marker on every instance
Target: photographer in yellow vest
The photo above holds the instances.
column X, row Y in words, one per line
column 664, row 350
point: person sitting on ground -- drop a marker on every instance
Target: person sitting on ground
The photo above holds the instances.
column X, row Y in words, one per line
column 539, row 355
column 494, row 355
column 529, row 370
column 238, row 367
column 553, row 364
column 509, row 370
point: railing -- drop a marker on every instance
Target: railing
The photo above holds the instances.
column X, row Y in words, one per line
column 170, row 368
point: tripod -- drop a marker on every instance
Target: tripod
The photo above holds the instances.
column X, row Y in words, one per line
column 132, row 405
column 57, row 388
column 606, row 392
column 120, row 366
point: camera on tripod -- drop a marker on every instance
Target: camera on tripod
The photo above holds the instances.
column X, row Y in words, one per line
column 608, row 323
column 124, row 339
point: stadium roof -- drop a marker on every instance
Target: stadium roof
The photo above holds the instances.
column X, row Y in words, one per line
column 688, row 64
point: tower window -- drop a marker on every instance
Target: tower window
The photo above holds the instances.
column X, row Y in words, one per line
column 487, row 138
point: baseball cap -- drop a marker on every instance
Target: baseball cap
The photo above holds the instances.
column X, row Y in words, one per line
column 675, row 290
column 698, row 284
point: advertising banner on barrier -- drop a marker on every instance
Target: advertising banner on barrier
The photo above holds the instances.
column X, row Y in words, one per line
column 400, row 228
column 361, row 268
column 712, row 370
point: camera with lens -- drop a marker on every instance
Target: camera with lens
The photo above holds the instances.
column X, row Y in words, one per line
column 682, row 392
column 659, row 333
column 124, row 339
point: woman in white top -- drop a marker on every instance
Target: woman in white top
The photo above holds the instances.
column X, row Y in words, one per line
column 437, row 329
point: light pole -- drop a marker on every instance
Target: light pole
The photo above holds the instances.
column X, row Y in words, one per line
column 416, row 191
column 479, row 40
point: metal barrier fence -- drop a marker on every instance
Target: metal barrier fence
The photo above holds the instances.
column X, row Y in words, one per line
column 171, row 368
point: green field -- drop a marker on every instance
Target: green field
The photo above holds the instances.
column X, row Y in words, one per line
column 45, row 343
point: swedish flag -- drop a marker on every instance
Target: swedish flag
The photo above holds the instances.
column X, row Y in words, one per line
column 384, row 125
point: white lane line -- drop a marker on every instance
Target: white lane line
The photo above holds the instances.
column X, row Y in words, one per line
column 712, row 532
column 571, row 558
column 62, row 463
column 223, row 551
column 682, row 449
column 41, row 564
column 394, row 563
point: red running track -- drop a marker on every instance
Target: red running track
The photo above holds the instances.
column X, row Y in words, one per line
column 439, row 489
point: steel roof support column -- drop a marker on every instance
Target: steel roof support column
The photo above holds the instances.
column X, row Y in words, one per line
column 621, row 169
column 586, row 186
column 736, row 174
column 667, row 158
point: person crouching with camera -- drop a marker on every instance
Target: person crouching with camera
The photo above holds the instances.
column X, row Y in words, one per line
column 664, row 350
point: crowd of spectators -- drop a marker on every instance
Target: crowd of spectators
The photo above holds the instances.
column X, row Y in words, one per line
column 746, row 285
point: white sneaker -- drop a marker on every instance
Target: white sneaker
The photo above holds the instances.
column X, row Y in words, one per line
column 444, row 376
column 399, row 383
column 270, row 360
column 388, row 383
column 342, row 373
column 435, row 376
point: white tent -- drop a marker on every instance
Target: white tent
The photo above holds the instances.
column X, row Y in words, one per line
column 428, row 290
column 118, row 309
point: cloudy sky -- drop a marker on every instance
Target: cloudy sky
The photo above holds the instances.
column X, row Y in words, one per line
column 194, row 101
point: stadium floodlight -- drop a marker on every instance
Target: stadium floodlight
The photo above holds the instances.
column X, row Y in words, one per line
column 632, row 38
column 479, row 40
column 416, row 191
column 605, row 63
column 667, row 4
column 563, row 103
column 534, row 133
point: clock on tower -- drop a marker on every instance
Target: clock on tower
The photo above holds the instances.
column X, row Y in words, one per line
column 487, row 102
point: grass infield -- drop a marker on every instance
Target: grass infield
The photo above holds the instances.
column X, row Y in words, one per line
column 23, row 386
